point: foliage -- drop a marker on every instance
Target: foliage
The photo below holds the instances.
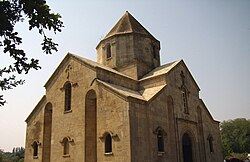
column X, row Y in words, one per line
column 235, row 136
column 17, row 155
column 39, row 16
column 241, row 156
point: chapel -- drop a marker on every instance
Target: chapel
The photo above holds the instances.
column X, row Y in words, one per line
column 126, row 107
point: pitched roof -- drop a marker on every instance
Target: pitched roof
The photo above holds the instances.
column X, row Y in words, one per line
column 145, row 95
column 85, row 62
column 128, row 24
column 164, row 69
column 160, row 70
column 97, row 65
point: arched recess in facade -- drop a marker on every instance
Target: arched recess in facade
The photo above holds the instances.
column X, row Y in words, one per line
column 47, row 132
column 187, row 148
column 90, row 127
column 172, row 129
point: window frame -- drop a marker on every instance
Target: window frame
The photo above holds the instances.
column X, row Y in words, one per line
column 67, row 97
column 210, row 143
column 35, row 145
column 108, row 51
column 108, row 144
column 65, row 147
column 160, row 141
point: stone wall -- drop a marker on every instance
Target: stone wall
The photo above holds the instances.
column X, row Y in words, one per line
column 111, row 117
column 34, row 132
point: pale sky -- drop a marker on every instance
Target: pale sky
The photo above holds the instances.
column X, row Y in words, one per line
column 212, row 37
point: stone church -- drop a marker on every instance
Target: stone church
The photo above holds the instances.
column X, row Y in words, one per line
column 125, row 107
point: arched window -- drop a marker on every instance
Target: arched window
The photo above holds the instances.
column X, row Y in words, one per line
column 160, row 135
column 160, row 141
column 210, row 142
column 65, row 146
column 65, row 143
column 108, row 51
column 108, row 143
column 67, row 88
column 35, row 149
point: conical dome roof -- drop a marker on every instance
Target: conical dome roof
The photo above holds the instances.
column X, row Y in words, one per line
column 128, row 24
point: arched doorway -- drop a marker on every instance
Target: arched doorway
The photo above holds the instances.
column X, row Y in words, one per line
column 187, row 148
column 90, row 127
column 47, row 132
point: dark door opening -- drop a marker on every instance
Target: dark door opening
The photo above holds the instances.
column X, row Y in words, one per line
column 187, row 148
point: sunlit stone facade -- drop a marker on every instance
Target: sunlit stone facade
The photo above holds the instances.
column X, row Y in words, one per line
column 125, row 107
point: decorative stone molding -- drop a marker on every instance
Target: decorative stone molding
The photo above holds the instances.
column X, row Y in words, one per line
column 74, row 85
column 160, row 128
column 71, row 140
column 113, row 135
column 37, row 142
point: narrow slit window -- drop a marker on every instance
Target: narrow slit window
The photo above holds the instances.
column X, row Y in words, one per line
column 160, row 141
column 108, row 143
column 108, row 51
column 68, row 90
column 35, row 149
column 65, row 146
column 210, row 141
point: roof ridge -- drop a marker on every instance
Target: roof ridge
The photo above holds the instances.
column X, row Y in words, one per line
column 129, row 15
